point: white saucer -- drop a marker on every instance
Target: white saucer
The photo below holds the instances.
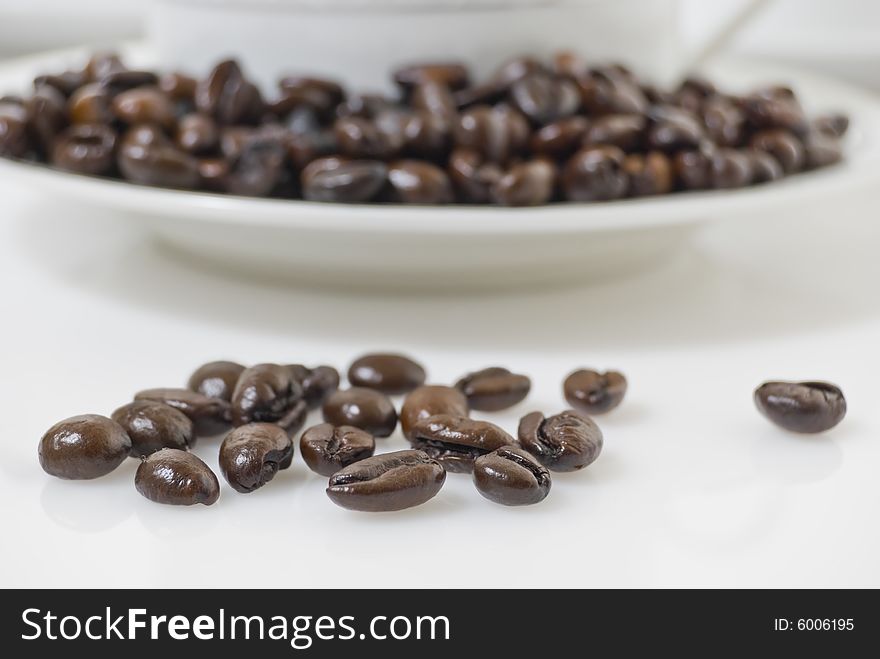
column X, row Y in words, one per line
column 457, row 247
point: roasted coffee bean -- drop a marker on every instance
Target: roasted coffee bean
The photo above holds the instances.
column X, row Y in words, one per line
column 692, row 170
column 159, row 164
column 179, row 87
column 493, row 389
column 66, row 82
column 426, row 136
column 822, row 150
column 456, row 441
column 765, row 167
column 429, row 400
column 544, row 98
column 649, row 174
column 46, row 116
column 102, row 64
column 674, row 129
column 593, row 392
column 625, row 131
column 694, row 93
column 559, row 139
column 511, row 477
column 449, row 74
column 317, row 383
column 176, row 478
column 564, row 442
column 210, row 416
column 389, row 373
column 327, row 448
column 152, row 426
column 775, row 112
column 90, row 104
column 367, row 106
column 387, row 482
column 472, row 176
column 436, row 100
column 268, row 393
column 361, row 138
column 144, row 105
column 318, row 94
column 730, row 168
column 146, row 135
column 252, row 454
column 609, row 92
column 724, row 121
column 418, row 182
column 216, row 379
column 227, row 96
column 595, row 174
column 213, row 173
column 258, row 169
column 122, row 81
column 530, row 183
column 14, row 140
column 85, row 149
column 833, row 125
column 782, row 145
column 803, row 407
column 197, row 134
column 83, row 447
column 498, row 133
column 343, row 181
column 362, row 408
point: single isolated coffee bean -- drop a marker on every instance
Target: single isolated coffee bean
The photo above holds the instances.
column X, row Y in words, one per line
column 456, row 441
column 593, row 392
column 83, row 447
column 252, row 454
column 429, row 400
column 210, row 416
column 216, row 379
column 153, row 426
column 495, row 388
column 327, row 448
column 389, row 373
column 803, row 407
column 317, row 383
column 567, row 441
column 362, row 408
column 512, row 477
column 269, row 393
column 177, row 478
column 387, row 482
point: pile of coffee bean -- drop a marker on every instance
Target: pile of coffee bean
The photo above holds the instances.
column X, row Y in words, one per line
column 534, row 133
column 261, row 409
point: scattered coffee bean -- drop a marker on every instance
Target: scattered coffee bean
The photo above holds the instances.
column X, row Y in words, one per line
column 564, row 442
column 803, row 407
column 269, row 393
column 83, row 447
column 362, row 408
column 177, row 478
column 216, row 379
column 592, row 392
column 152, row 426
column 327, row 448
column 493, row 389
column 511, row 477
column 252, row 454
column 427, row 401
column 456, row 441
column 387, row 482
column 317, row 383
column 392, row 374
column 210, row 416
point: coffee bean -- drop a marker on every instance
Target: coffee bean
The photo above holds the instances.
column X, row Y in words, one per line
column 390, row 373
column 456, row 441
column 213, row 173
column 561, row 138
column 595, row 174
column 258, row 169
column 724, row 121
column 152, row 426
column 418, row 182
column 387, row 482
column 343, row 181
column 66, row 82
column 436, row 100
column 593, row 392
column 197, row 134
column 216, row 379
column 425, row 135
column 674, row 129
column 802, row 407
column 144, row 105
column 694, row 94
column 609, row 92
column 362, row 408
column 210, row 416
column 83, row 447
column 327, row 448
column 160, row 164
column 14, row 140
column 361, row 138
column 90, row 104
column 544, row 99
column 692, row 170
column 511, row 477
column 179, row 87
column 101, row 64
column 268, row 393
column 784, row 113
column 85, row 149
column 782, row 145
column 427, row 401
column 730, row 168
column 564, row 442
column 822, row 150
column 765, row 167
column 649, row 174
column 530, row 183
column 177, row 478
column 833, row 125
column 473, row 177
column 227, row 96
column 46, row 116
column 317, row 383
column 625, row 131
column 252, row 454
column 497, row 133
column 118, row 82
column 448, row 74
column 493, row 389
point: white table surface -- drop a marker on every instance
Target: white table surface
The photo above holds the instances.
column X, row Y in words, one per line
column 694, row 488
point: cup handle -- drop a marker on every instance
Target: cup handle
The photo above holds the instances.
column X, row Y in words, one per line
column 720, row 38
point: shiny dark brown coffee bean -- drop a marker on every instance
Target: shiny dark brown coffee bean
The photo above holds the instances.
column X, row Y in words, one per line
column 210, row 416
column 595, row 174
column 343, row 181
column 152, row 426
column 559, row 139
column 213, row 173
column 674, row 129
column 268, row 393
column 493, row 389
column 784, row 113
column 14, row 140
column 216, row 379
column 822, row 150
column 803, row 407
column 318, row 94
column 609, row 92
column 566, row 441
column 426, row 136
column 418, row 182
column 765, row 167
column 362, row 408
column 724, row 121
column 625, row 131
column 160, row 164
column 694, row 93
column 449, row 74
column 102, row 64
column 327, row 448
column 530, row 183
column 392, row 374
column 317, row 383
column 252, row 454
column 387, row 482
column 427, row 401
column 544, row 98
column 436, row 100
column 90, row 104
column 197, row 134
column 66, row 82
column 472, row 176
column 730, row 168
column 258, row 169
column 456, row 441
column 593, row 392
column 497, row 133
column 83, row 447
column 123, row 81
column 46, row 116
column 833, row 125
column 512, row 477
column 144, row 105
column 782, row 145
column 85, row 149
column 227, row 96
column 692, row 170
column 361, row 138
column 176, row 478
column 649, row 174
column 179, row 87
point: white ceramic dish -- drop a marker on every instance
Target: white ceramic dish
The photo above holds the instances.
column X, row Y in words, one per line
column 458, row 247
